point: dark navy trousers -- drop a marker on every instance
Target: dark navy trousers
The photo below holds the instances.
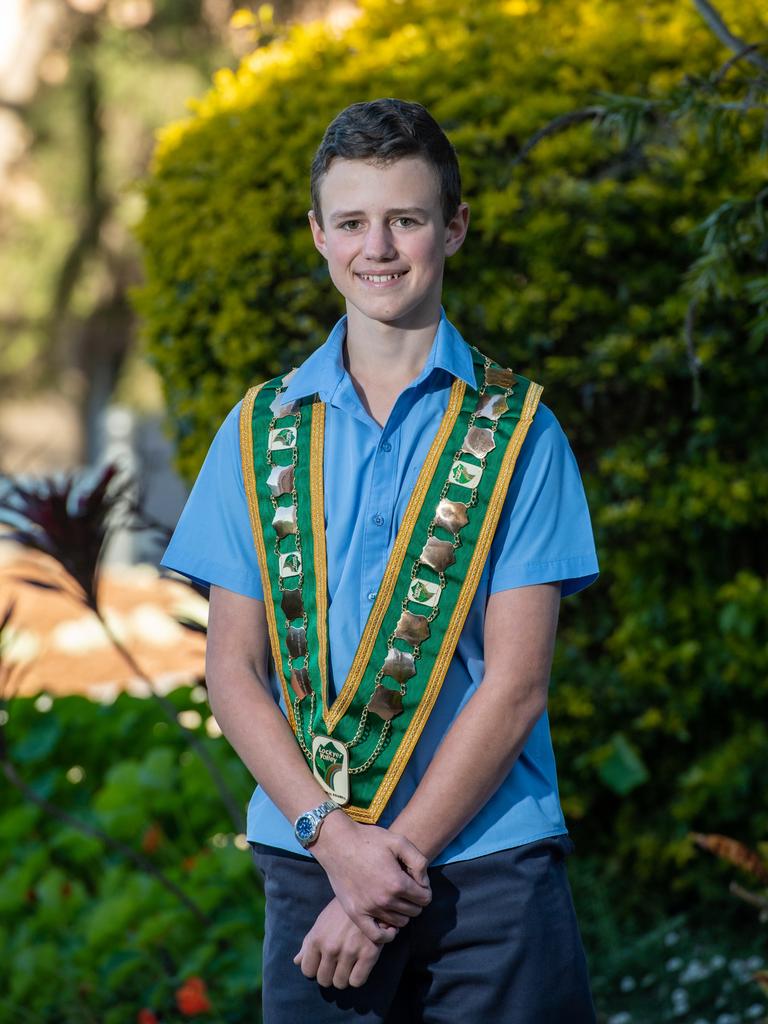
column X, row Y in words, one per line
column 498, row 944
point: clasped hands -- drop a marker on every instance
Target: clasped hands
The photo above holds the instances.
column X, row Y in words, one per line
column 380, row 882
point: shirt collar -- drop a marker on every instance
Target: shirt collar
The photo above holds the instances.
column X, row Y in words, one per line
column 323, row 371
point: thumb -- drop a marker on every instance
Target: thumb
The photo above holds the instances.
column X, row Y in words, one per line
column 377, row 933
column 414, row 861
column 387, row 932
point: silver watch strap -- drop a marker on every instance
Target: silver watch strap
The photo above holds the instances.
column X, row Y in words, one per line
column 325, row 809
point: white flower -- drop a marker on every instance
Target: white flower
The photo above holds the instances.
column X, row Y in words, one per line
column 739, row 970
column 717, row 962
column 680, row 1004
column 695, row 971
column 728, row 1018
column 627, row 984
column 621, row 1018
column 675, row 963
column 671, row 938
column 754, row 963
column 755, row 1010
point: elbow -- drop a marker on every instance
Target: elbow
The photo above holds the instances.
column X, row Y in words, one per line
column 524, row 696
column 537, row 699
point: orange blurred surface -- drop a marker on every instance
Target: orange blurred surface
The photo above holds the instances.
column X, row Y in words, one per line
column 59, row 647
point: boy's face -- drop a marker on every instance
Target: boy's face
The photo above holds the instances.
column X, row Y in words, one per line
column 384, row 238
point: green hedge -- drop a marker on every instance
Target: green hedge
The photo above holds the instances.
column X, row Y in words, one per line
column 89, row 935
column 575, row 274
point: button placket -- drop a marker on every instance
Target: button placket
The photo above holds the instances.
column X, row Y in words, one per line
column 379, row 513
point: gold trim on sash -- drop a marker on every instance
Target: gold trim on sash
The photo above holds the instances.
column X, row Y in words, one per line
column 336, row 711
column 370, row 815
column 317, row 506
column 249, row 479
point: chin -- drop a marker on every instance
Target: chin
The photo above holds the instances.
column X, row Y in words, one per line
column 385, row 314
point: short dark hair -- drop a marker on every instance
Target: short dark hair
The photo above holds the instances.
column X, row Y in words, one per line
column 383, row 131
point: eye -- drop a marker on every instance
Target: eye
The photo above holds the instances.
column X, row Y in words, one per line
column 350, row 225
column 405, row 222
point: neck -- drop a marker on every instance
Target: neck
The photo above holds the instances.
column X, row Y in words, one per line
column 384, row 354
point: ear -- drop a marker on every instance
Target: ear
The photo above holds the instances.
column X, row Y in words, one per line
column 456, row 229
column 318, row 235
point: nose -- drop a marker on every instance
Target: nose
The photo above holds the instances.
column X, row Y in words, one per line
column 379, row 243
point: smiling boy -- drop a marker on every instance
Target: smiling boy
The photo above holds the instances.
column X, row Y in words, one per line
column 396, row 521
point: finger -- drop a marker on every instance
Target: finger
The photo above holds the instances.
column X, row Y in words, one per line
column 409, row 894
column 327, row 969
column 369, row 928
column 391, row 917
column 414, row 860
column 344, row 967
column 300, row 954
column 387, row 932
column 310, row 961
column 397, row 905
column 362, row 969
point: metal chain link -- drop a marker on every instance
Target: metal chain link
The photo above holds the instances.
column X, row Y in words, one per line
column 363, row 727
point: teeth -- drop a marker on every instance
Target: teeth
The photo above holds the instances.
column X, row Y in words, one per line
column 379, row 278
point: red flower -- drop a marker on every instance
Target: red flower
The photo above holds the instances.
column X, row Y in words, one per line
column 191, row 998
column 146, row 1016
column 153, row 837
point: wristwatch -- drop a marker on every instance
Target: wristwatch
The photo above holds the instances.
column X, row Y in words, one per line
column 307, row 826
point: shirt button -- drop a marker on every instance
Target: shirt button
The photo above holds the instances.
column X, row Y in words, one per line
column 379, row 520
column 372, row 596
column 386, row 447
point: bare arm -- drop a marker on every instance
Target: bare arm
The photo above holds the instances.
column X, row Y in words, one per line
column 477, row 753
column 364, row 863
column 491, row 731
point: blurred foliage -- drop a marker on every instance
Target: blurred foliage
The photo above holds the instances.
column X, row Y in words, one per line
column 103, row 87
column 87, row 935
column 621, row 262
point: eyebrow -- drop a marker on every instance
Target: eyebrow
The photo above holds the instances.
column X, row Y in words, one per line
column 399, row 212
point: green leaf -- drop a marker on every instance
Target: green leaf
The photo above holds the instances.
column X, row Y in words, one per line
column 39, row 742
column 622, row 768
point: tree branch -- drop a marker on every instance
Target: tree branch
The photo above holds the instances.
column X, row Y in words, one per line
column 715, row 22
column 558, row 124
column 753, row 898
column 138, row 859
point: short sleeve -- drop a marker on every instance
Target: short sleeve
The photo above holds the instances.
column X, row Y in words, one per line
column 213, row 542
column 544, row 532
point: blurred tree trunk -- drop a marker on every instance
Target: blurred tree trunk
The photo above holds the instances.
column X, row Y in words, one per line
column 89, row 352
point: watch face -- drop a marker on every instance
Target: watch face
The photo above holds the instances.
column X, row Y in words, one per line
column 305, row 827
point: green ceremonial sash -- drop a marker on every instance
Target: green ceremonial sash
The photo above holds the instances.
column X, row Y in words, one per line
column 358, row 745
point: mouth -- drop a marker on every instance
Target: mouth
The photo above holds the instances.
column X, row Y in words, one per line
column 381, row 279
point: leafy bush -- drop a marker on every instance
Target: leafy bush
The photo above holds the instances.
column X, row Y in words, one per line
column 87, row 934
column 586, row 269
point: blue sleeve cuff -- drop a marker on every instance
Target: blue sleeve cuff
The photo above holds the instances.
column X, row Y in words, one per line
column 206, row 573
column 575, row 574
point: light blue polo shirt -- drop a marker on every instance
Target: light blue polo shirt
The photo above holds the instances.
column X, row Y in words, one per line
column 544, row 534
